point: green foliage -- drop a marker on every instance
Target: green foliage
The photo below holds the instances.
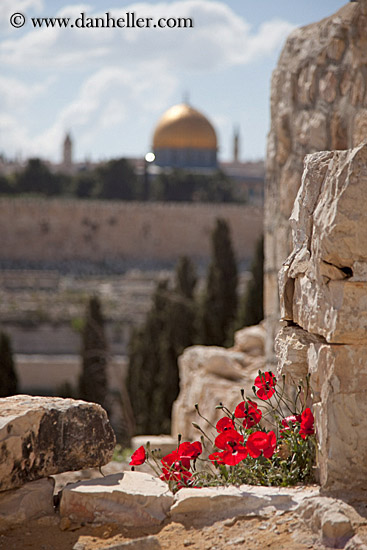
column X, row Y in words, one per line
column 8, row 376
column 180, row 185
column 93, row 380
column 251, row 310
column 219, row 304
column 153, row 382
column 37, row 178
column 116, row 180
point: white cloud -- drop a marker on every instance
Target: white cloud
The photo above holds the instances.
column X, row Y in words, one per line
column 16, row 94
column 8, row 7
column 222, row 38
column 107, row 99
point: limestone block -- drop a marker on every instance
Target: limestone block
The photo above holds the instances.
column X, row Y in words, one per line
column 250, row 340
column 133, row 499
column 291, row 345
column 340, row 416
column 356, row 543
column 333, row 519
column 336, row 48
column 142, row 543
column 360, row 127
column 216, row 503
column 32, row 501
column 328, row 87
column 208, row 376
column 40, row 436
column 358, row 89
column 329, row 226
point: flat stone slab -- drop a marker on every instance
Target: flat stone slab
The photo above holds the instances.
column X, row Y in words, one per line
column 32, row 501
column 40, row 436
column 132, row 499
column 217, row 503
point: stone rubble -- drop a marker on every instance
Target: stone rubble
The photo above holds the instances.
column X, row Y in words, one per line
column 40, row 436
column 210, row 375
column 32, row 501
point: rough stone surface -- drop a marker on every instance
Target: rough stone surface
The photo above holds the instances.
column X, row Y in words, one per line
column 40, row 436
column 318, row 102
column 323, row 288
column 291, row 345
column 32, row 501
column 215, row 503
column 142, row 543
column 133, row 499
column 329, row 224
column 208, row 376
column 250, row 340
column 335, row 520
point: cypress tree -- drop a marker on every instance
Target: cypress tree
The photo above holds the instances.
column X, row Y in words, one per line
column 251, row 310
column 153, row 380
column 8, row 376
column 219, row 304
column 93, row 380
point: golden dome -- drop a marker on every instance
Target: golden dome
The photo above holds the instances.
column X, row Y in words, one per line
column 182, row 127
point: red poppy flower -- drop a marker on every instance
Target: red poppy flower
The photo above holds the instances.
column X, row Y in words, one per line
column 307, row 423
column 190, row 450
column 265, row 382
column 228, row 439
column 224, row 424
column 138, row 457
column 216, row 457
column 175, row 459
column 231, row 456
column 289, row 420
column 181, row 477
column 261, row 442
column 250, row 412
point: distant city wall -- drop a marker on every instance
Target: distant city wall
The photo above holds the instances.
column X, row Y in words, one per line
column 63, row 230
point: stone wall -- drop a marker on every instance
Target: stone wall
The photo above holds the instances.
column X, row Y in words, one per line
column 53, row 231
column 318, row 102
column 323, row 288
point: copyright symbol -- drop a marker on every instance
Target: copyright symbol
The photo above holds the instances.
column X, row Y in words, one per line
column 17, row 20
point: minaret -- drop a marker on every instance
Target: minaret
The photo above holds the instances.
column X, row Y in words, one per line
column 67, row 158
column 236, row 144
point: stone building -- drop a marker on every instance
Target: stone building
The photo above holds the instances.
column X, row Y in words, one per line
column 318, row 102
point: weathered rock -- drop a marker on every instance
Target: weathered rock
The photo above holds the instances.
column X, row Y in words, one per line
column 32, row 501
column 250, row 340
column 333, row 519
column 291, row 346
column 339, row 376
column 318, row 102
column 142, row 543
column 40, row 436
column 133, row 499
column 212, row 504
column 356, row 543
column 329, row 225
column 208, row 376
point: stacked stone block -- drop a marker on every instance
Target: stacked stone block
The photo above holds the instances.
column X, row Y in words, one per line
column 323, row 291
column 318, row 102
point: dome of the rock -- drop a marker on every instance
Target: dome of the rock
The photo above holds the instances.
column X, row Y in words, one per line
column 185, row 138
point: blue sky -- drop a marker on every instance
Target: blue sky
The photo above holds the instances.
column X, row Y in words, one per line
column 109, row 87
